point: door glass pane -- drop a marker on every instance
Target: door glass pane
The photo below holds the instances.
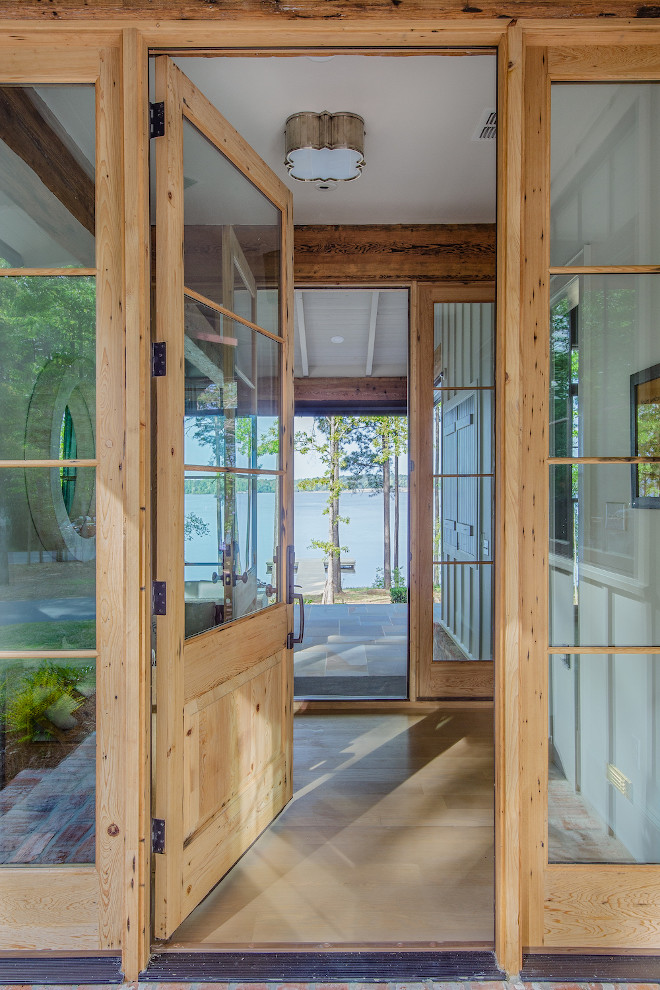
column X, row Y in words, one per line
column 462, row 612
column 47, row 170
column 603, row 559
column 463, row 519
column 604, row 754
column 47, row 559
column 463, row 338
column 231, row 533
column 605, row 202
column 603, row 332
column 48, row 760
column 231, row 236
column 232, row 392
column 48, row 390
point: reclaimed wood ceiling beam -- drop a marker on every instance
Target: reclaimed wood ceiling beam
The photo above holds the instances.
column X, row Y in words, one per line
column 356, row 254
column 26, row 131
column 256, row 11
column 325, row 396
column 394, row 253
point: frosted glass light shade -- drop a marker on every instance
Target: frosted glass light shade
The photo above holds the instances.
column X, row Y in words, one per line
column 324, row 146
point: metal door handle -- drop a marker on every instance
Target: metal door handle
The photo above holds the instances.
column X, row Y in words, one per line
column 301, row 602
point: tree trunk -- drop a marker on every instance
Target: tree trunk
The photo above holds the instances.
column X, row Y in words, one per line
column 387, row 571
column 329, row 586
column 396, row 519
column 436, row 498
column 335, row 560
column 4, row 545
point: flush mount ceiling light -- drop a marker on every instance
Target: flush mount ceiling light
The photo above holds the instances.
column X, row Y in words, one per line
column 325, row 148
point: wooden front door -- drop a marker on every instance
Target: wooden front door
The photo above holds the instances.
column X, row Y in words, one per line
column 223, row 411
column 455, row 372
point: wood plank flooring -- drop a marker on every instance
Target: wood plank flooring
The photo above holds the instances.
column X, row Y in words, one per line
column 388, row 838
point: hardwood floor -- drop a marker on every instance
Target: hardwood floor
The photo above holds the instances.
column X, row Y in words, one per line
column 388, row 838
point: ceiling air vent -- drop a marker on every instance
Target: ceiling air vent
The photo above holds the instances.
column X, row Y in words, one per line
column 487, row 126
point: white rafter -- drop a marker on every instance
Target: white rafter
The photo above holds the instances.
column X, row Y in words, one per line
column 302, row 338
column 372, row 332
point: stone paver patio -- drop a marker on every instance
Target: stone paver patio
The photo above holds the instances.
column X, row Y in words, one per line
column 47, row 816
column 353, row 651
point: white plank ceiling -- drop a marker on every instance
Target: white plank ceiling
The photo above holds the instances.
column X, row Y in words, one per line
column 373, row 324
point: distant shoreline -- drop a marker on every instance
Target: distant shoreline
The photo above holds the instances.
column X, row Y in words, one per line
column 345, row 491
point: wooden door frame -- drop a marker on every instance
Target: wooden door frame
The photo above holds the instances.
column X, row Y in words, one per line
column 604, row 906
column 82, row 912
column 34, row 49
column 188, row 674
column 421, row 696
column 432, row 683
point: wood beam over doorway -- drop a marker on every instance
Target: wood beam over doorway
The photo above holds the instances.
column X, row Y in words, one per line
column 394, row 253
column 325, row 396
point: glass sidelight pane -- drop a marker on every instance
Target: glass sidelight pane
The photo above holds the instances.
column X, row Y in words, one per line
column 463, row 519
column 604, row 755
column 47, row 761
column 232, row 235
column 462, row 612
column 463, row 344
column 47, row 156
column 47, row 559
column 231, row 533
column 463, row 431
column 605, row 202
column 603, row 558
column 232, row 392
column 48, row 387
column 603, row 339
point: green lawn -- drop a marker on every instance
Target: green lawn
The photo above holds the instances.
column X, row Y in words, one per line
column 66, row 635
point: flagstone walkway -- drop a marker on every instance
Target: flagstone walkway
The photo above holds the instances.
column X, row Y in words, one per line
column 353, row 650
column 47, row 815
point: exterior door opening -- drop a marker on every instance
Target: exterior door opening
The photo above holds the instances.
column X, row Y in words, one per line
column 351, row 492
column 225, row 310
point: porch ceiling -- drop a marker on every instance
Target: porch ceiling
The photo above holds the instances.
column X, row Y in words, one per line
column 373, row 324
column 420, row 113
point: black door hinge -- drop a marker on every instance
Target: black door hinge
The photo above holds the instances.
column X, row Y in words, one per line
column 289, row 641
column 156, row 120
column 158, row 598
column 158, row 835
column 158, row 359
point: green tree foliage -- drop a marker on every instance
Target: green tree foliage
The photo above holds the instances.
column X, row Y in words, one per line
column 44, row 700
column 43, row 319
column 378, row 442
column 329, row 438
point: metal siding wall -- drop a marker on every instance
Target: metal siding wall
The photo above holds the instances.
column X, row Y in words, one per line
column 465, row 331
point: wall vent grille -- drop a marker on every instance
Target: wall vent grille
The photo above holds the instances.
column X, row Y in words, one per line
column 619, row 780
column 487, row 126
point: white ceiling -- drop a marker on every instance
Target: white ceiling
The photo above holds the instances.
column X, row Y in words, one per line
column 373, row 323
column 420, row 113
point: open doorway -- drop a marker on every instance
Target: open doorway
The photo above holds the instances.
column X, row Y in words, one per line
column 385, row 807
column 351, row 492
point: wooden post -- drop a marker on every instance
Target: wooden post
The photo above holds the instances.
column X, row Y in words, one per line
column 137, row 576
column 508, row 946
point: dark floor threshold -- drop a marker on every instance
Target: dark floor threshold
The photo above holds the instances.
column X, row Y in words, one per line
column 382, row 687
column 325, row 967
column 46, row 969
column 590, row 968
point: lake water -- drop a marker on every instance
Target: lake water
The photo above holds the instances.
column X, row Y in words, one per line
column 363, row 534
